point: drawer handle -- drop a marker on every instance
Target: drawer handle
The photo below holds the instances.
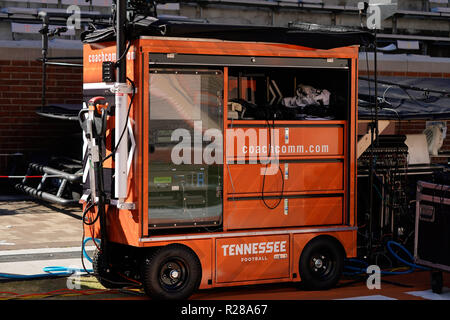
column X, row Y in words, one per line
column 286, row 207
column 286, row 171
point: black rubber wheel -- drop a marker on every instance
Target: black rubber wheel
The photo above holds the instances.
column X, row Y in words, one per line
column 437, row 282
column 105, row 274
column 173, row 272
column 321, row 264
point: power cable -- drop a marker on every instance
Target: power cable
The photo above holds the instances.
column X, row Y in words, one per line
column 265, row 169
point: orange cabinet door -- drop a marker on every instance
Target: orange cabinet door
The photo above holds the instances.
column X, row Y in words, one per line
column 297, row 177
column 291, row 212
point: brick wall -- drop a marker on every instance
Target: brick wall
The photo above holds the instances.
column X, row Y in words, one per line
column 24, row 131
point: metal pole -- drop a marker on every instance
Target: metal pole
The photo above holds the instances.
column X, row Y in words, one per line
column 121, row 91
column 373, row 139
column 371, row 182
column 376, row 87
column 120, row 123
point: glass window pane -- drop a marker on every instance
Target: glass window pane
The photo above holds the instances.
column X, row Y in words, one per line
column 184, row 187
column 175, row 96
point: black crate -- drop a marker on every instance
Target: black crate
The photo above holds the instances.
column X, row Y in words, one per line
column 432, row 234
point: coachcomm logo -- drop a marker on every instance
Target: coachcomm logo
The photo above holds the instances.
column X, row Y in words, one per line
column 252, row 143
column 110, row 56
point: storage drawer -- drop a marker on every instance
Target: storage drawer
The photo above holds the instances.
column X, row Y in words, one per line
column 297, row 177
column 291, row 212
column 305, row 141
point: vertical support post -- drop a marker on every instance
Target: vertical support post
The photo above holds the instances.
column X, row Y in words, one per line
column 120, row 40
column 121, row 141
column 374, row 139
column 376, row 86
column 121, row 99
column 44, row 33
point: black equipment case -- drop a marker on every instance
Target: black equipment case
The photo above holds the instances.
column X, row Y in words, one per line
column 432, row 235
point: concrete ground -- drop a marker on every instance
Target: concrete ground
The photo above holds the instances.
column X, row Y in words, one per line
column 30, row 225
column 35, row 235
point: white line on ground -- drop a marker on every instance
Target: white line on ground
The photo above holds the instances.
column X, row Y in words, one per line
column 430, row 295
column 4, row 243
column 37, row 266
column 43, row 250
column 374, row 297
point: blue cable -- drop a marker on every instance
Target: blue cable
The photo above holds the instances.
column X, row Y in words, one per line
column 412, row 265
column 20, row 276
column 84, row 245
column 50, row 273
column 358, row 270
column 62, row 270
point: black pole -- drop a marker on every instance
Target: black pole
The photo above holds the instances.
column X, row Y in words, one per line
column 371, row 186
column 44, row 32
column 98, row 172
column 373, row 140
column 376, row 86
column 121, row 16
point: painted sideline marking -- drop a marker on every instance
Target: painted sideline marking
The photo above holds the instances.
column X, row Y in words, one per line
column 43, row 250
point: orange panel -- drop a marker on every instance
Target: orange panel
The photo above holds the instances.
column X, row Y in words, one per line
column 219, row 47
column 252, row 258
column 306, row 141
column 203, row 250
column 301, row 176
column 244, row 214
column 96, row 53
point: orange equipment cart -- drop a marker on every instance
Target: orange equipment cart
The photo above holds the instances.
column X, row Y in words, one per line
column 233, row 177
